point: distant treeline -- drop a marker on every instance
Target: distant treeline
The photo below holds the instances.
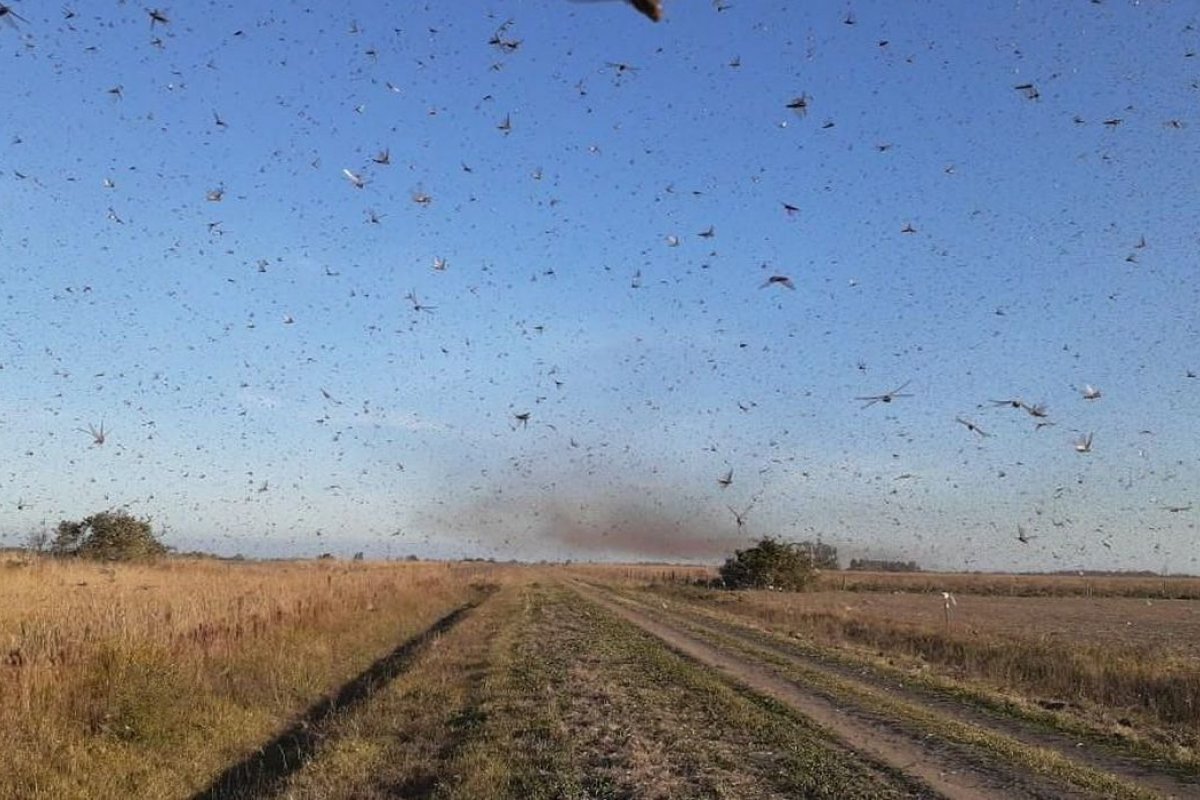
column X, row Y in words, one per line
column 1107, row 573
column 824, row 556
column 882, row 565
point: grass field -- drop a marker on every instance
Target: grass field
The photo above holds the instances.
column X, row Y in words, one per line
column 205, row 679
column 145, row 680
column 1140, row 586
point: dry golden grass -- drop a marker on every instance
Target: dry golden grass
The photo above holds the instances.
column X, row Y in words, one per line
column 150, row 680
column 1174, row 587
column 146, row 680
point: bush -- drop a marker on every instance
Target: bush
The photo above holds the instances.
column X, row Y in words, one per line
column 108, row 536
column 770, row 564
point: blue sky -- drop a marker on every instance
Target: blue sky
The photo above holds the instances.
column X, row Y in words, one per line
column 267, row 387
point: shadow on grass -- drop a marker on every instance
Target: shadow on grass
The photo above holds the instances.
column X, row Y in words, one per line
column 265, row 771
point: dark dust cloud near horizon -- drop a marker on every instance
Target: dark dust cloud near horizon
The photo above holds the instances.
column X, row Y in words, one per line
column 637, row 530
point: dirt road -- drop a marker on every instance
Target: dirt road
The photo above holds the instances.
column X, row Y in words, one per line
column 956, row 750
column 555, row 689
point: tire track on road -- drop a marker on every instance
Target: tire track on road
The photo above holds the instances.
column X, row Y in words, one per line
column 1172, row 783
column 924, row 759
column 266, row 770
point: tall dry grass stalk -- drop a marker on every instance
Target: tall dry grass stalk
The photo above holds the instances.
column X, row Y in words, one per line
column 145, row 680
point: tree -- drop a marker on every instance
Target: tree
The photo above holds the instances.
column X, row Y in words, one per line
column 824, row 556
column 108, row 536
column 770, row 564
column 38, row 541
